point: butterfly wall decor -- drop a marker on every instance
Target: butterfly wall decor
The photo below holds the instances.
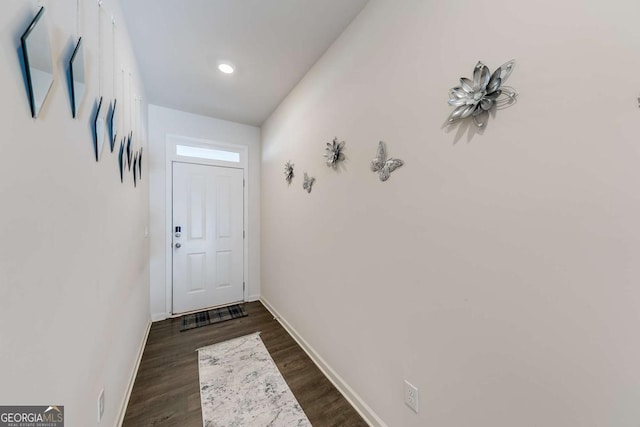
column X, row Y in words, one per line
column 288, row 172
column 382, row 165
column 334, row 152
column 308, row 182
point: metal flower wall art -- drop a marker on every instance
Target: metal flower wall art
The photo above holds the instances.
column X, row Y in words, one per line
column 308, row 182
column 334, row 153
column 288, row 172
column 382, row 165
column 474, row 98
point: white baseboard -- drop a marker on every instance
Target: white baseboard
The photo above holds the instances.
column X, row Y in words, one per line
column 134, row 373
column 352, row 397
column 158, row 317
column 252, row 298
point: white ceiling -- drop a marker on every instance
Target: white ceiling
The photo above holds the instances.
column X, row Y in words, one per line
column 272, row 44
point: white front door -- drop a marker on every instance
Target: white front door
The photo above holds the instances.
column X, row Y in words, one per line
column 208, row 256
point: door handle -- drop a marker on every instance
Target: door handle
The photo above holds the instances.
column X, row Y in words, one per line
column 178, row 245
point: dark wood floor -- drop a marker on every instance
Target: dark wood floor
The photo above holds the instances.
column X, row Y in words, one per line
column 167, row 392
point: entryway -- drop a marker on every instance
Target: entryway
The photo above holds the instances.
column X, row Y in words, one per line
column 168, row 393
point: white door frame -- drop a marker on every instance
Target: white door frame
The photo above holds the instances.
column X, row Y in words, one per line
column 171, row 157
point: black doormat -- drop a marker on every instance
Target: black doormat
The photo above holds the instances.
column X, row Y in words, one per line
column 203, row 318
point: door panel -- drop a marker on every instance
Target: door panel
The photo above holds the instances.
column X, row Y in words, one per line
column 196, row 269
column 223, row 262
column 223, row 208
column 208, row 257
column 196, row 209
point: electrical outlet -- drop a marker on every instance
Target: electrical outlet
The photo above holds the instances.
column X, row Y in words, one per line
column 411, row 396
column 100, row 405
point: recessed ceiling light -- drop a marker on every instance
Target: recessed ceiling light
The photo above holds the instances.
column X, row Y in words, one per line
column 225, row 68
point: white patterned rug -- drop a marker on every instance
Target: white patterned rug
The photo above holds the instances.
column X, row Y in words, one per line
column 240, row 385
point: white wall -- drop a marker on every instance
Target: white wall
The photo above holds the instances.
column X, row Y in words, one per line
column 498, row 272
column 74, row 278
column 162, row 122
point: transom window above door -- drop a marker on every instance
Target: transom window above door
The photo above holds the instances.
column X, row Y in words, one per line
column 207, row 153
